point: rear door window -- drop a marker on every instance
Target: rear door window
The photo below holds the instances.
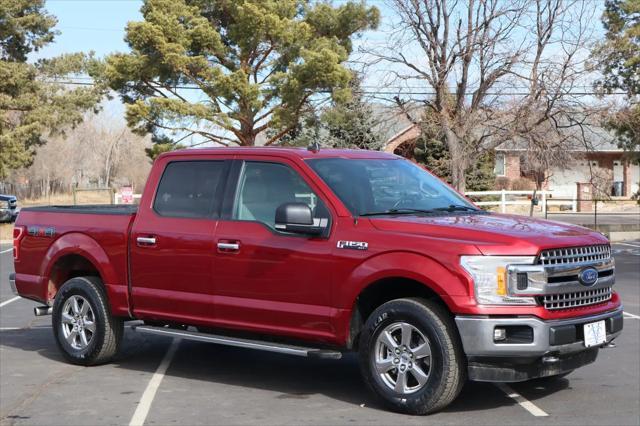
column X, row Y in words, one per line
column 190, row 189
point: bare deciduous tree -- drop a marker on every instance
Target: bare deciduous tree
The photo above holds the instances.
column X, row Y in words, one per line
column 459, row 50
column 497, row 69
column 101, row 152
column 553, row 121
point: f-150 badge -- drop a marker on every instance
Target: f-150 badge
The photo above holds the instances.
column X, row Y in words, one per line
column 353, row 245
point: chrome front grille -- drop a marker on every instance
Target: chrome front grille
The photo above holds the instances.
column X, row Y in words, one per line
column 577, row 299
column 571, row 255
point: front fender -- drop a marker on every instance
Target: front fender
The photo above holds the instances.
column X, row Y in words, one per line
column 446, row 280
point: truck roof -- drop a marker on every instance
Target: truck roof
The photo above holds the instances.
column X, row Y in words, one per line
column 290, row 152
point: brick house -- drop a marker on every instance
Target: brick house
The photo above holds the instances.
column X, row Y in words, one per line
column 603, row 159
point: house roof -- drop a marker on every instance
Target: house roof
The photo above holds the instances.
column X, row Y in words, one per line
column 580, row 139
column 390, row 121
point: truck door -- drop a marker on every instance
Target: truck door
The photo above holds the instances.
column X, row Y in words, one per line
column 266, row 280
column 172, row 244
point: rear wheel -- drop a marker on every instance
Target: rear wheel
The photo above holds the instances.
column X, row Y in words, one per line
column 411, row 356
column 83, row 326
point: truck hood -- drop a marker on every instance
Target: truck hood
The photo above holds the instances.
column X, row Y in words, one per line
column 494, row 234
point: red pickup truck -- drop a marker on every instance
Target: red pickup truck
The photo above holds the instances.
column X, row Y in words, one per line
column 320, row 252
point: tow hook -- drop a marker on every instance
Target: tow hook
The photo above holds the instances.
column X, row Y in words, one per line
column 550, row 359
column 609, row 345
column 42, row 310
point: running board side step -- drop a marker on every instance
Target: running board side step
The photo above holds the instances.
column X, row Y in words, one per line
column 240, row 343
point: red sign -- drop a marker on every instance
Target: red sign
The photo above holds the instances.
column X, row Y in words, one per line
column 126, row 195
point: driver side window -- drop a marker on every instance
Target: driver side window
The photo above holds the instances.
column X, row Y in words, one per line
column 263, row 187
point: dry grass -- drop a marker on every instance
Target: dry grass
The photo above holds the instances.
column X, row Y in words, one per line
column 6, row 231
column 82, row 197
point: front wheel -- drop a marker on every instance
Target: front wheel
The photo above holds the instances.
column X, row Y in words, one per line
column 85, row 330
column 411, row 357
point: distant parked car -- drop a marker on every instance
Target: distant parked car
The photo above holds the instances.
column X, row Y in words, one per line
column 8, row 208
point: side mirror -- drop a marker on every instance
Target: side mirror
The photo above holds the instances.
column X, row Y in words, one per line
column 297, row 218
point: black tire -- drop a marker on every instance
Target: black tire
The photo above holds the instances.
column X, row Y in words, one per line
column 104, row 342
column 447, row 369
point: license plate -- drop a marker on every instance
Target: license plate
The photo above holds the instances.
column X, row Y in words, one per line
column 595, row 333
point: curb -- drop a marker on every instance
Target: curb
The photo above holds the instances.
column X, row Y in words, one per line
column 616, row 237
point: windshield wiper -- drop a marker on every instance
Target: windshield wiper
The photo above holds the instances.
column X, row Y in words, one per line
column 451, row 208
column 398, row 211
column 456, row 207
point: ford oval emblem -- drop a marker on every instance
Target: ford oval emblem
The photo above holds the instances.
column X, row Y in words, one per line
column 588, row 276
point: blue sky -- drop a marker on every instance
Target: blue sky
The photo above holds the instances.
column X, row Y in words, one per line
column 98, row 26
column 95, row 25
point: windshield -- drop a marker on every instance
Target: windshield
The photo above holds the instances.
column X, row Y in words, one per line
column 389, row 186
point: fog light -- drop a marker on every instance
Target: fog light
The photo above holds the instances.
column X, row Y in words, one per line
column 499, row 334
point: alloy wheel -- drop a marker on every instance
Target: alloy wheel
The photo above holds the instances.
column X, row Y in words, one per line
column 78, row 322
column 402, row 357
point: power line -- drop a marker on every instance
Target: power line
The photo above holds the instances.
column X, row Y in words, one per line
column 371, row 91
column 364, row 86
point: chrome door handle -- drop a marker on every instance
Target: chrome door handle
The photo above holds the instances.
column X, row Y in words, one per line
column 146, row 240
column 229, row 246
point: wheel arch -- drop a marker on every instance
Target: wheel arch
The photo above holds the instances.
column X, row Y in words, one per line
column 382, row 291
column 398, row 275
column 74, row 255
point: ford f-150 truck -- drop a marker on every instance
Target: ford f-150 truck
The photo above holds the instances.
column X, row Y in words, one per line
column 319, row 252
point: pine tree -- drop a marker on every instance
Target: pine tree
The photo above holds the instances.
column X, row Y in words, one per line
column 352, row 124
column 257, row 66
column 431, row 151
column 31, row 105
column 619, row 60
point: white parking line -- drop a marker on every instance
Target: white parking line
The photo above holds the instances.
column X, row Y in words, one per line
column 521, row 400
column 6, row 251
column 6, row 302
column 150, row 392
column 632, row 315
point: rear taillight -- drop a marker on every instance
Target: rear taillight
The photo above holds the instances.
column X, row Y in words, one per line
column 18, row 233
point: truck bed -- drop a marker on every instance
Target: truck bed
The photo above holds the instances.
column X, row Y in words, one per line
column 53, row 235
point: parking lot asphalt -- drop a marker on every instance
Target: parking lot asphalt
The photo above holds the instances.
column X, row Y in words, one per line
column 199, row 383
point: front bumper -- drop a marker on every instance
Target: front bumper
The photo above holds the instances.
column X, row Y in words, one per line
column 546, row 348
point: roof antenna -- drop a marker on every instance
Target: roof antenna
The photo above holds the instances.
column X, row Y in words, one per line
column 314, row 147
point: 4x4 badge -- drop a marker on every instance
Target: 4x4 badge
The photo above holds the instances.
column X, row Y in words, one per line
column 353, row 245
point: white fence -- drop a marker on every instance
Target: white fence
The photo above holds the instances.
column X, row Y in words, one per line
column 504, row 201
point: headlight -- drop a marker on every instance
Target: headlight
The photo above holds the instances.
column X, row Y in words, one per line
column 490, row 278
